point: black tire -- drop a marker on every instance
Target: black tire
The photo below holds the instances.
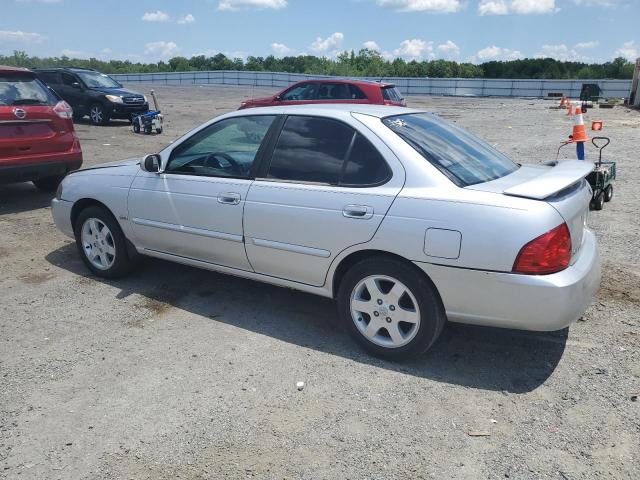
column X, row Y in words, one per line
column 608, row 193
column 598, row 201
column 122, row 263
column 148, row 130
column 158, row 131
column 431, row 311
column 98, row 114
column 136, row 127
column 48, row 184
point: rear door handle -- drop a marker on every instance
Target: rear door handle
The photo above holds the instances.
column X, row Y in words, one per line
column 360, row 212
column 229, row 198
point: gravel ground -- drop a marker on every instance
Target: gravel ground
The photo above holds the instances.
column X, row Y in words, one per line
column 181, row 373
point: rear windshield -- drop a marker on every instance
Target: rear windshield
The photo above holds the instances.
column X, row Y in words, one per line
column 392, row 94
column 462, row 157
column 98, row 80
column 21, row 89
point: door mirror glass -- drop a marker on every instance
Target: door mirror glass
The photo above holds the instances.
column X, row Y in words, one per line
column 76, row 85
column 277, row 98
column 151, row 163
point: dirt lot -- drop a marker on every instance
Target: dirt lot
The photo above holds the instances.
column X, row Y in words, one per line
column 181, row 373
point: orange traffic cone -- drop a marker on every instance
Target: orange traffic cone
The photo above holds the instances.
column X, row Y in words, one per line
column 579, row 131
column 563, row 101
column 569, row 108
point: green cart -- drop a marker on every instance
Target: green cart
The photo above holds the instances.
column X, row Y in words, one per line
column 602, row 177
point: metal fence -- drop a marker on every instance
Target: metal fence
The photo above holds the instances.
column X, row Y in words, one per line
column 408, row 86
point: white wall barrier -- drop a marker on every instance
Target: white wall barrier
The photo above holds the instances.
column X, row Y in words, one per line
column 408, row 86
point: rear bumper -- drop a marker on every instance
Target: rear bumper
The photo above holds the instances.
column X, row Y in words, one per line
column 30, row 169
column 61, row 212
column 525, row 302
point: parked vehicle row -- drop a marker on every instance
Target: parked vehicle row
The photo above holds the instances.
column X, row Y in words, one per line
column 405, row 220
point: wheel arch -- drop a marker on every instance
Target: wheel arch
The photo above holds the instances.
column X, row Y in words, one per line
column 359, row 255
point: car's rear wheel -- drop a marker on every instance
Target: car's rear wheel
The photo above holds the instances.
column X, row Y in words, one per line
column 98, row 114
column 389, row 308
column 48, row 184
column 101, row 243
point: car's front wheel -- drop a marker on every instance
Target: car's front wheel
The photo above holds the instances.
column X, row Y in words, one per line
column 98, row 114
column 101, row 243
column 389, row 308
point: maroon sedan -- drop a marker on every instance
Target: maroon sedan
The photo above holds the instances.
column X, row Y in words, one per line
column 37, row 140
column 332, row 91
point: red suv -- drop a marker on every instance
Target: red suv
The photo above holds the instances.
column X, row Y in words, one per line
column 332, row 91
column 37, row 139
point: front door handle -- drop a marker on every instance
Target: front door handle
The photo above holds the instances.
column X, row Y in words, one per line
column 229, row 198
column 360, row 212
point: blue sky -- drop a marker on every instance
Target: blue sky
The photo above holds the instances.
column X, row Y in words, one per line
column 463, row 30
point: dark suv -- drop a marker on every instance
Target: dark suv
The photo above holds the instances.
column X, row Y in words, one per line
column 93, row 93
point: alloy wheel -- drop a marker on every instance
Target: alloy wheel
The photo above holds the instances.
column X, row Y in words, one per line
column 96, row 114
column 385, row 311
column 98, row 244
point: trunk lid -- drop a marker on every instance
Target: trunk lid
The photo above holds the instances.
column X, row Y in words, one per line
column 562, row 186
column 29, row 130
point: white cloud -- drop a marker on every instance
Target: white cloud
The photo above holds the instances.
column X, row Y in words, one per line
column 591, row 44
column 322, row 45
column 414, row 49
column 18, row 36
column 161, row 49
column 433, row 6
column 628, row 51
column 516, row 7
column 157, row 16
column 281, row 49
column 188, row 18
column 227, row 5
column 560, row 52
column 371, row 45
column 498, row 53
column 448, row 49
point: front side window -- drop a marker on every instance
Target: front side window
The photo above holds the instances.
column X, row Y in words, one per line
column 21, row 89
column 461, row 156
column 306, row 91
column 325, row 151
column 98, row 80
column 227, row 148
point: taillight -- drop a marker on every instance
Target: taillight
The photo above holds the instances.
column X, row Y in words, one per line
column 63, row 110
column 549, row 253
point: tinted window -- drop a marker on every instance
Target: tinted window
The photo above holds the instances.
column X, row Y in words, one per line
column 68, row 79
column 311, row 150
column 392, row 94
column 334, row 91
column 21, row 89
column 306, row 91
column 321, row 150
column 365, row 165
column 52, row 78
column 464, row 158
column 225, row 149
column 356, row 93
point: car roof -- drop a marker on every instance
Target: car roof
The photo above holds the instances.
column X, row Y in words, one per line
column 7, row 68
column 331, row 110
column 69, row 69
column 361, row 81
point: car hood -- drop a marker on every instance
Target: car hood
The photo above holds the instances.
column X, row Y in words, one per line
column 118, row 91
column 129, row 163
column 259, row 101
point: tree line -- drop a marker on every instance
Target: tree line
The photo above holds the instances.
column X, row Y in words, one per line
column 365, row 62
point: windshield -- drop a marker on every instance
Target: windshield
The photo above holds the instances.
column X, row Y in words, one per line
column 462, row 157
column 21, row 89
column 98, row 80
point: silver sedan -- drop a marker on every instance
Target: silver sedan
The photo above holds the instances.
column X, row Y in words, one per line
column 405, row 220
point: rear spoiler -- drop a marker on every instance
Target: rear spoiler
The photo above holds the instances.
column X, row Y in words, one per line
column 557, row 178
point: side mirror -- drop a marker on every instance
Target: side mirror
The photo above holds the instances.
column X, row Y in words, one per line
column 76, row 85
column 277, row 98
column 151, row 163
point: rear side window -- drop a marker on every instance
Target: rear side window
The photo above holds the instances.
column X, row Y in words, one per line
column 461, row 156
column 21, row 89
column 392, row 94
column 356, row 93
column 51, row 78
column 321, row 150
